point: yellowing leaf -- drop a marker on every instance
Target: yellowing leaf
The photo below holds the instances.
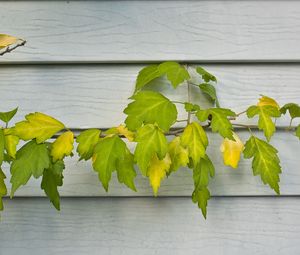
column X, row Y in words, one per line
column 264, row 100
column 179, row 155
column 122, row 130
column 157, row 171
column 7, row 40
column 87, row 141
column 232, row 151
column 37, row 125
column 195, row 140
column 11, row 142
column 265, row 123
column 63, row 146
column 150, row 141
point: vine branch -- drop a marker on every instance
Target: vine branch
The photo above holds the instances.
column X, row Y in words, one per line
column 10, row 49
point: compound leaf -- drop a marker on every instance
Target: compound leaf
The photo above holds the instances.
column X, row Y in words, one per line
column 195, row 140
column 37, row 125
column 232, row 150
column 53, row 178
column 30, row 160
column 265, row 161
column 178, row 154
column 157, row 171
column 149, row 108
column 87, row 141
column 150, row 141
column 62, row 146
column 219, row 120
column 201, row 173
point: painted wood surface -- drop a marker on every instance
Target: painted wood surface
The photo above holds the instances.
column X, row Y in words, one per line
column 114, row 31
column 95, row 95
column 151, row 226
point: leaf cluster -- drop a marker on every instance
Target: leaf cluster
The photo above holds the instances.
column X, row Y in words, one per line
column 37, row 146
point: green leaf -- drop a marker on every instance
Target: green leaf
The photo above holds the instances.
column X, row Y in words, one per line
column 210, row 90
column 195, row 140
column 150, row 141
column 2, row 145
column 298, row 131
column 37, row 125
column 3, row 190
column 265, row 161
column 87, row 141
column 149, row 108
column 125, row 170
column 201, row 173
column 110, row 154
column 30, row 160
column 53, row 178
column 176, row 74
column 178, row 154
column 146, row 75
column 7, row 116
column 219, row 120
column 189, row 107
column 294, row 110
column 265, row 123
column 206, row 76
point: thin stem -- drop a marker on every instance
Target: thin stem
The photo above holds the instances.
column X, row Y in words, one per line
column 290, row 124
column 177, row 102
column 189, row 96
column 240, row 113
column 8, row 49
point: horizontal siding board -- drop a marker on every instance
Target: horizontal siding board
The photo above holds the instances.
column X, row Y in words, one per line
column 151, row 226
column 95, row 95
column 81, row 180
column 114, row 31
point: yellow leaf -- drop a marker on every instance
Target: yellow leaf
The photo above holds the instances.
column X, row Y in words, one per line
column 11, row 142
column 121, row 130
column 37, row 125
column 264, row 100
column 63, row 146
column 179, row 155
column 232, row 151
column 157, row 171
column 6, row 40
